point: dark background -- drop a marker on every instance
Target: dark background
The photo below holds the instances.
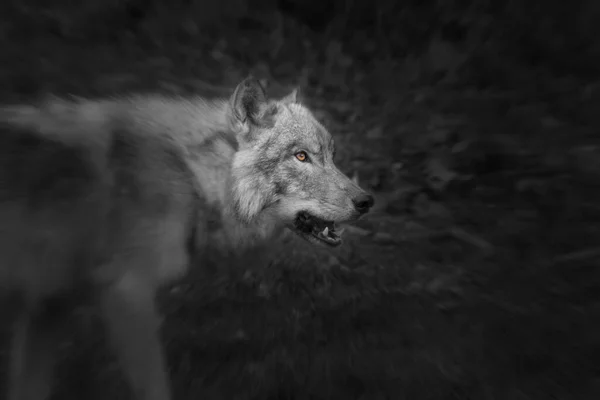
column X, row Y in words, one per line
column 475, row 124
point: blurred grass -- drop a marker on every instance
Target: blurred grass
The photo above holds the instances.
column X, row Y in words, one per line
column 475, row 278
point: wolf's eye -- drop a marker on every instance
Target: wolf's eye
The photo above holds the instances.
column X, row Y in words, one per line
column 301, row 156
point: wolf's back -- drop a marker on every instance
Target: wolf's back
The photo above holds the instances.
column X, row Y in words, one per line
column 82, row 183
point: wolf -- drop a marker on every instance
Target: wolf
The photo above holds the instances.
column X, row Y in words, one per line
column 117, row 196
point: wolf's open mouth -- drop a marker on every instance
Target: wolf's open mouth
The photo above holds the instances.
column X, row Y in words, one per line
column 309, row 225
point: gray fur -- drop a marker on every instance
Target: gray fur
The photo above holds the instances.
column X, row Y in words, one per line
column 118, row 194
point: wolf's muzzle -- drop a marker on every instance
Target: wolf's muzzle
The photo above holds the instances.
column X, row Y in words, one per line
column 363, row 203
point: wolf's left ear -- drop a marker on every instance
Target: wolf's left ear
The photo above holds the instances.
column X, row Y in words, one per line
column 292, row 97
column 249, row 101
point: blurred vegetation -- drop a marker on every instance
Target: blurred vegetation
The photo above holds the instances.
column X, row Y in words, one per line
column 486, row 34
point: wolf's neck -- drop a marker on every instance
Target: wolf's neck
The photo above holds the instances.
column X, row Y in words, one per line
column 193, row 121
column 202, row 130
column 211, row 161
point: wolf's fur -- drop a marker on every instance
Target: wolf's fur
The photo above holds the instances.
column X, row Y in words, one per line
column 116, row 195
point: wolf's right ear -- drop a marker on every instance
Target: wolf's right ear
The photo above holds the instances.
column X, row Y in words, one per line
column 292, row 97
column 248, row 102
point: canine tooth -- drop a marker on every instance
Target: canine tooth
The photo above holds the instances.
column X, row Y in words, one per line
column 355, row 178
column 326, row 231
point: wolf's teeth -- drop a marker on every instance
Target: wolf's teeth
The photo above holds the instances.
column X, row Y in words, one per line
column 340, row 231
column 326, row 231
column 355, row 178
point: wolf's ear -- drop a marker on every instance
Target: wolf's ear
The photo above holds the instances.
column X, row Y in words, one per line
column 292, row 97
column 249, row 101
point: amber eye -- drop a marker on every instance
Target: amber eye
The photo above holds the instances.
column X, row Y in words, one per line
column 301, row 156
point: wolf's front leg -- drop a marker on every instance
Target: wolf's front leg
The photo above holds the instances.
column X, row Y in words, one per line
column 128, row 307
column 35, row 342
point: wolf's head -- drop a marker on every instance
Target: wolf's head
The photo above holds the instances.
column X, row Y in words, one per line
column 284, row 167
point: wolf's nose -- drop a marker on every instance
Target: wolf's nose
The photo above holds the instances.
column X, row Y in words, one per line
column 363, row 202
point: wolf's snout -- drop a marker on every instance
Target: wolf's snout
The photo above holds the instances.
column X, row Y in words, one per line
column 363, row 202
